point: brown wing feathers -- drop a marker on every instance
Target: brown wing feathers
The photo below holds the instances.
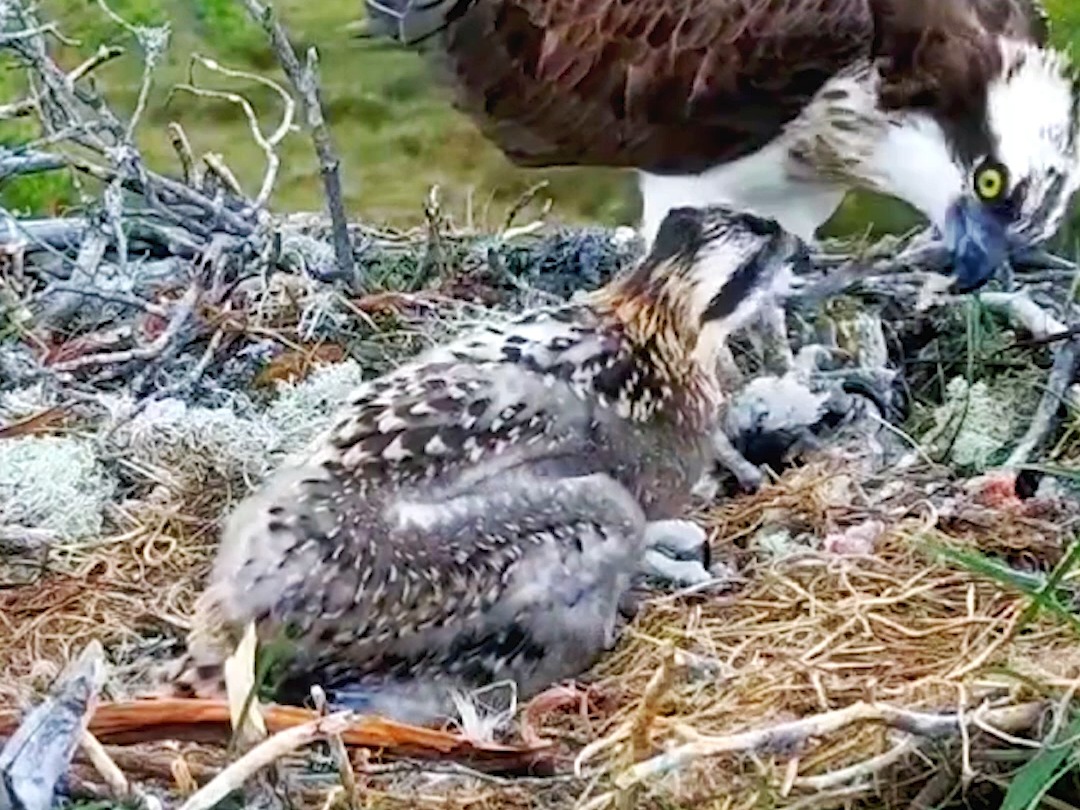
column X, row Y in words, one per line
column 681, row 85
column 675, row 85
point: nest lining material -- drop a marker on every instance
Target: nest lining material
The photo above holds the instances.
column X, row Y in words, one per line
column 838, row 601
column 804, row 633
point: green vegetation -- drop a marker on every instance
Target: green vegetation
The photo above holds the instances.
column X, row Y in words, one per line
column 1059, row 757
column 397, row 132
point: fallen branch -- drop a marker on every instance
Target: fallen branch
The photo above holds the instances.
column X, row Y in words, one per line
column 789, row 736
column 39, row 751
column 153, row 719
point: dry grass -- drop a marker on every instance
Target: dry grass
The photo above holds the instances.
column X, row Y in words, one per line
column 120, row 590
column 802, row 635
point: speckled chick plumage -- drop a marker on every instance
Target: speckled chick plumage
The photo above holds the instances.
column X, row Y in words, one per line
column 475, row 515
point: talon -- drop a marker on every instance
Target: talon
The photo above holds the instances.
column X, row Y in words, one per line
column 708, row 488
column 677, row 553
column 629, row 606
column 750, row 481
column 749, row 477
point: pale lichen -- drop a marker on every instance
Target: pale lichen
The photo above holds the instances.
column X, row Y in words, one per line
column 220, row 453
column 193, row 448
column 976, row 423
column 302, row 409
column 57, row 484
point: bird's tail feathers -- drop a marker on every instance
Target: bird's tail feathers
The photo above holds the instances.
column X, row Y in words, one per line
column 200, row 671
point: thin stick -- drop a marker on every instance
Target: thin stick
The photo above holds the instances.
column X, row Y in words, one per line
column 183, row 311
column 340, row 754
column 305, row 78
column 859, row 771
column 182, row 146
column 118, row 784
column 787, row 736
column 154, row 42
column 641, row 726
column 267, row 143
column 265, row 754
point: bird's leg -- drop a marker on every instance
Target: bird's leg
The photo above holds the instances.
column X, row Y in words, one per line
column 747, row 474
column 731, row 376
column 774, row 335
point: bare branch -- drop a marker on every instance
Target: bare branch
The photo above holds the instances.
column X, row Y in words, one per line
column 14, row 163
column 798, row 732
column 264, row 754
column 182, row 146
column 154, row 42
column 268, row 144
column 182, row 312
column 305, row 78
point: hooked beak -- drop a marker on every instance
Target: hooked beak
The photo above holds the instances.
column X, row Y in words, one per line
column 977, row 239
column 979, row 245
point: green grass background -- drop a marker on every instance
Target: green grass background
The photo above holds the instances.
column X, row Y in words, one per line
column 395, row 129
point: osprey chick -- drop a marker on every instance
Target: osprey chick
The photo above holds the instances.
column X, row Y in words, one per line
column 957, row 107
column 477, row 514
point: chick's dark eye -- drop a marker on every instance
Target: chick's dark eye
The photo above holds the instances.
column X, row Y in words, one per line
column 991, row 181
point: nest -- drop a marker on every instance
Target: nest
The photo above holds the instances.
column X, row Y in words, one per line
column 851, row 659
column 724, row 700
column 891, row 636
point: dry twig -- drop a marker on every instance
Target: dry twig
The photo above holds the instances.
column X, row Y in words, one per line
column 793, row 735
column 264, row 754
column 305, row 78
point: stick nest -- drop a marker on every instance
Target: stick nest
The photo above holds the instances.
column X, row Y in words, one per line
column 804, row 631
column 162, row 352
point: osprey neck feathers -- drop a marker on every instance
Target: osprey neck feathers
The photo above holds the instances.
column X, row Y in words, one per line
column 851, row 136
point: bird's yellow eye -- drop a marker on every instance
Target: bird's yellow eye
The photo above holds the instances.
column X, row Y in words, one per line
column 989, row 183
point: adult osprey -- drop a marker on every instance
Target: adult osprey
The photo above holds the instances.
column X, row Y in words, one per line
column 779, row 107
